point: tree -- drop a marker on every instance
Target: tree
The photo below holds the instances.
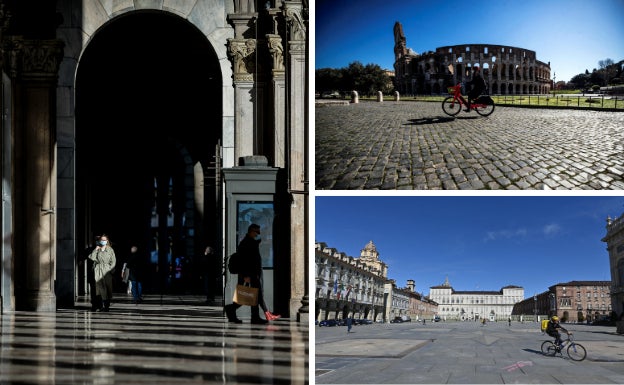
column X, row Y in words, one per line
column 608, row 69
column 356, row 77
column 580, row 80
column 328, row 79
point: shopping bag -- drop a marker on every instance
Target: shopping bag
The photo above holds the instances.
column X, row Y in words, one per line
column 125, row 275
column 246, row 295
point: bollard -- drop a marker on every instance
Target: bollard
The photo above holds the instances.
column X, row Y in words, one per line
column 396, row 96
column 379, row 96
column 354, row 97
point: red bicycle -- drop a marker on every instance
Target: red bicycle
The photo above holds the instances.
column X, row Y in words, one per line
column 452, row 105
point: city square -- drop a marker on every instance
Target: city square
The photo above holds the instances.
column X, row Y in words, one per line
column 414, row 145
column 463, row 352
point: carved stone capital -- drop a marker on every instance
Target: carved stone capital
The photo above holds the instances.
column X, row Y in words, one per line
column 33, row 59
column 276, row 50
column 242, row 53
column 294, row 15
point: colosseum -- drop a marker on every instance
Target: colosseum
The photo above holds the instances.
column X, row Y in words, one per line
column 507, row 70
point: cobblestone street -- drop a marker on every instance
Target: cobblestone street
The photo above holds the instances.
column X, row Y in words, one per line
column 414, row 145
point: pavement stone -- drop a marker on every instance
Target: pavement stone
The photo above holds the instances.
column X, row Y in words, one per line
column 414, row 145
column 462, row 352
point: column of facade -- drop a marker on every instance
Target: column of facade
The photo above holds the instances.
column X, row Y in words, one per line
column 278, row 83
column 242, row 53
column 33, row 66
column 297, row 118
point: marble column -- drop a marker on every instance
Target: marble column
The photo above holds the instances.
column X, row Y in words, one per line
column 296, row 87
column 276, row 50
column 33, row 66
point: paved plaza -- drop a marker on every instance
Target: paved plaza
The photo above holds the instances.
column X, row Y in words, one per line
column 164, row 340
column 462, row 352
column 414, row 145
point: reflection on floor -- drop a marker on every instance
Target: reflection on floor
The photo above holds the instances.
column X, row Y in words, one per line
column 160, row 341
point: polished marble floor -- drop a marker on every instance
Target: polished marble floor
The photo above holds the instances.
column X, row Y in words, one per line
column 172, row 340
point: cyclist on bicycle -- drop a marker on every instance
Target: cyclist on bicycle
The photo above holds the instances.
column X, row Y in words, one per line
column 551, row 330
column 478, row 86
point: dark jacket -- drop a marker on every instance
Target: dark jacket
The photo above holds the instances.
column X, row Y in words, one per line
column 552, row 327
column 137, row 264
column 478, row 85
column 249, row 251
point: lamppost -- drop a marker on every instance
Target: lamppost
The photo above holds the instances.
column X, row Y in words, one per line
column 535, row 307
column 554, row 83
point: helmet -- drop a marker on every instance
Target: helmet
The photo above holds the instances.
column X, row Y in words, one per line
column 554, row 318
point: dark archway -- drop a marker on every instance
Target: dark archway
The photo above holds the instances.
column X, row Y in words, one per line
column 149, row 113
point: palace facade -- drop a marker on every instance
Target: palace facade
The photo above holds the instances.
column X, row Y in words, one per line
column 474, row 305
column 615, row 245
column 573, row 301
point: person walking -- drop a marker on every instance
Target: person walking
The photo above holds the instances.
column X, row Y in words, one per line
column 136, row 266
column 251, row 273
column 103, row 257
column 206, row 265
column 349, row 324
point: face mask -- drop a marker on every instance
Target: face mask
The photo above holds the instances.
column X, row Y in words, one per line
column 257, row 237
column 103, row 243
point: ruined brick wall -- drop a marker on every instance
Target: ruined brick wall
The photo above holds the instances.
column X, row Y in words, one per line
column 506, row 69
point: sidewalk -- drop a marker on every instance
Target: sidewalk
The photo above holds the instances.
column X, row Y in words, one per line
column 462, row 352
column 164, row 340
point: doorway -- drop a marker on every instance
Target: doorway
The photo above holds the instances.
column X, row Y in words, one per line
column 148, row 128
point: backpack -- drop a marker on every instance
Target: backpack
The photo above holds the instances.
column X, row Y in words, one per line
column 234, row 263
column 544, row 325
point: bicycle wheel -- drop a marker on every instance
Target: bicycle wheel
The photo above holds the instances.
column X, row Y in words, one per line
column 577, row 352
column 485, row 109
column 548, row 348
column 450, row 106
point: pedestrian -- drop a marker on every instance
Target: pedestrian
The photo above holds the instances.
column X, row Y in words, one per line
column 349, row 324
column 205, row 264
column 96, row 300
column 251, row 273
column 103, row 257
column 509, row 321
column 136, row 265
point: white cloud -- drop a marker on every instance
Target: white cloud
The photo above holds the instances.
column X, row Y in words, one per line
column 551, row 229
column 505, row 234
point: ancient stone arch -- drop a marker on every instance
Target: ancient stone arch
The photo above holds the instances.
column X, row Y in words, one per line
column 517, row 67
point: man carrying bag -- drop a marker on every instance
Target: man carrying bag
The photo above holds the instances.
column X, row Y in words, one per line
column 249, row 274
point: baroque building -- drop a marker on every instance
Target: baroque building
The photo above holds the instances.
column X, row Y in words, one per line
column 506, row 69
column 474, row 305
column 359, row 288
column 170, row 124
column 615, row 246
column 348, row 286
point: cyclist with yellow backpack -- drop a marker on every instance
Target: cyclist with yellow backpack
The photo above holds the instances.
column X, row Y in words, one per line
column 551, row 329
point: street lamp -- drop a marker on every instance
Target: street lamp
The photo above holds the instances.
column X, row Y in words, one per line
column 554, row 83
column 535, row 307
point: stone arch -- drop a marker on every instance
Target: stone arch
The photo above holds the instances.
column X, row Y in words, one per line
column 212, row 25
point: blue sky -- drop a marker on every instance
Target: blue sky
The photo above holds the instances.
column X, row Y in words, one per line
column 573, row 35
column 478, row 242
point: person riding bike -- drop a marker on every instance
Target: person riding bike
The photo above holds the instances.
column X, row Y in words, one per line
column 478, row 86
column 551, row 330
